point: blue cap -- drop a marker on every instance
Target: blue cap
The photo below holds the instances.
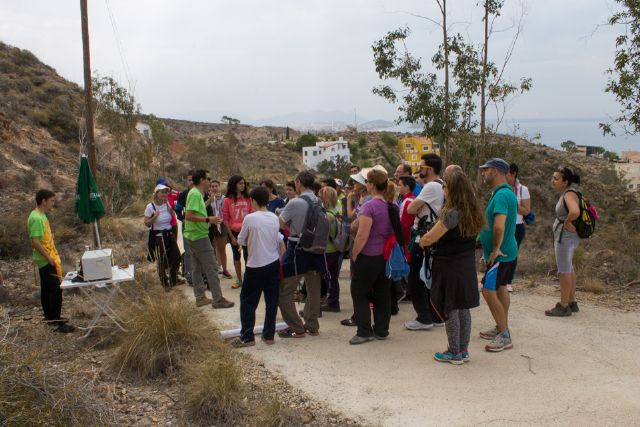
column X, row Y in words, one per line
column 162, row 181
column 498, row 164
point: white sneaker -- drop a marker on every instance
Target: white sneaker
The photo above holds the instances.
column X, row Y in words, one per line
column 414, row 325
column 509, row 288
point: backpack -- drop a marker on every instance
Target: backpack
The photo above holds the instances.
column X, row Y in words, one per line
column 315, row 232
column 426, row 222
column 586, row 222
column 341, row 239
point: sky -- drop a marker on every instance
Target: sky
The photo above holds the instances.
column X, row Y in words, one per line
column 274, row 61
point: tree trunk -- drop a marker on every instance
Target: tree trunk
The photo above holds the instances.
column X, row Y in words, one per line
column 446, row 80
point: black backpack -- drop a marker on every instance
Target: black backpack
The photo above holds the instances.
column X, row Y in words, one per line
column 394, row 217
column 315, row 232
column 425, row 223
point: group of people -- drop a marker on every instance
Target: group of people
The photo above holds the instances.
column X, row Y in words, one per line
column 412, row 237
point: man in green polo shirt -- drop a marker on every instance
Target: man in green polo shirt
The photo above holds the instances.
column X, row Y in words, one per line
column 499, row 251
column 196, row 238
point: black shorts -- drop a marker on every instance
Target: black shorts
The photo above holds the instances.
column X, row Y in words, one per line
column 498, row 275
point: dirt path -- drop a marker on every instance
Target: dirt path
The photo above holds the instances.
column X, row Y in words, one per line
column 579, row 370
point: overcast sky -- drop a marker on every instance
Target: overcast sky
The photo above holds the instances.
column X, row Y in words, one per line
column 260, row 59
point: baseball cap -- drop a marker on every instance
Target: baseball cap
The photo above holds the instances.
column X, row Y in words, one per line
column 162, row 181
column 496, row 163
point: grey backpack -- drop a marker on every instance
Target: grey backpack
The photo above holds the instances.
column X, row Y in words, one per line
column 315, row 232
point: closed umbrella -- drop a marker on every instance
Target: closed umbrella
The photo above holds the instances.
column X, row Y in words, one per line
column 89, row 207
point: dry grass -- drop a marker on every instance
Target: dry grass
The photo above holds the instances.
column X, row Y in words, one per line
column 593, row 285
column 163, row 332
column 215, row 390
column 272, row 413
column 33, row 392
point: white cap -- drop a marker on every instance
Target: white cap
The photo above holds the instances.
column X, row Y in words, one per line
column 160, row 187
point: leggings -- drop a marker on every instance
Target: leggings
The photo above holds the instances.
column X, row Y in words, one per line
column 458, row 327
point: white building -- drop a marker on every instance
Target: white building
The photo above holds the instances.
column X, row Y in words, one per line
column 144, row 129
column 326, row 150
column 631, row 173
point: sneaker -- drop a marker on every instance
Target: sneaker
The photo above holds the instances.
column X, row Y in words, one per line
column 311, row 332
column 573, row 305
column 290, row 333
column 509, row 288
column 238, row 343
column 438, row 324
column 223, row 303
column 489, row 334
column 203, row 301
column 348, row 322
column 357, row 339
column 219, row 270
column 414, row 325
column 447, row 356
column 380, row 337
column 559, row 311
column 226, row 275
column 499, row 342
column 268, row 341
column 465, row 355
column 65, row 328
column 330, row 309
column 236, row 284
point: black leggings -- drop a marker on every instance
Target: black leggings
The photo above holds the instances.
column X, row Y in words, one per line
column 235, row 249
column 50, row 292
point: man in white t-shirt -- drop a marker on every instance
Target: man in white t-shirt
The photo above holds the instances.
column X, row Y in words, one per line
column 426, row 207
column 259, row 233
column 524, row 207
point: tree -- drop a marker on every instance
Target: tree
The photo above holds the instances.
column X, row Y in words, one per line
column 306, row 140
column 160, row 139
column 624, row 77
column 569, row 146
column 338, row 169
column 230, row 120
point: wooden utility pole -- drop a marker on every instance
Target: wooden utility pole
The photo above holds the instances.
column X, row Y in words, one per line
column 88, row 97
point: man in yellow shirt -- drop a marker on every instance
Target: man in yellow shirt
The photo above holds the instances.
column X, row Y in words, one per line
column 46, row 257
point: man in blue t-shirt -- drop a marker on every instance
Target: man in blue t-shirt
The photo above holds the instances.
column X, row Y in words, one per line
column 500, row 250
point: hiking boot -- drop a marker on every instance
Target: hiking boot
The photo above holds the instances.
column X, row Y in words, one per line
column 236, row 284
column 559, row 311
column 65, row 328
column 414, row 325
column 447, row 356
column 489, row 334
column 238, row 343
column 499, row 342
column 573, row 305
column 223, row 303
column 313, row 333
column 203, row 300
column 357, row 339
column 465, row 355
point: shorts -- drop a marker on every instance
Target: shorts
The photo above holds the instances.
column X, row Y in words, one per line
column 498, row 275
column 235, row 250
column 564, row 251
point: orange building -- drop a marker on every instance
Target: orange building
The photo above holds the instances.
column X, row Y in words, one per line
column 412, row 148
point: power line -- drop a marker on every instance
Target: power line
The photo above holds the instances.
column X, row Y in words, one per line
column 120, row 46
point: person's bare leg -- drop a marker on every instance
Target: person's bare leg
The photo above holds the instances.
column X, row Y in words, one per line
column 505, row 299
column 566, row 285
column 572, row 294
column 221, row 244
column 238, row 267
column 497, row 310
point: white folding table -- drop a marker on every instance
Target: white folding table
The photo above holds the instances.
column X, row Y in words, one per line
column 101, row 292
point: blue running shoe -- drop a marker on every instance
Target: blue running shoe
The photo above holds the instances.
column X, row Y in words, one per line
column 447, row 356
column 465, row 355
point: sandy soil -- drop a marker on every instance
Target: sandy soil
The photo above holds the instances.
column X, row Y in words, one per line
column 582, row 370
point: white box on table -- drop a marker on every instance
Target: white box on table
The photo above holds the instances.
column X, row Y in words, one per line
column 96, row 265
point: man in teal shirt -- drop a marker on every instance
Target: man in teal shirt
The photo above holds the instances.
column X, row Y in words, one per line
column 196, row 238
column 500, row 250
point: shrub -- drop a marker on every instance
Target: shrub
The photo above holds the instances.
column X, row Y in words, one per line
column 14, row 240
column 593, row 285
column 214, row 391
column 33, row 392
column 162, row 333
column 274, row 414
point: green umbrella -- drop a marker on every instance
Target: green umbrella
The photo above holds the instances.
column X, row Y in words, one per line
column 89, row 205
